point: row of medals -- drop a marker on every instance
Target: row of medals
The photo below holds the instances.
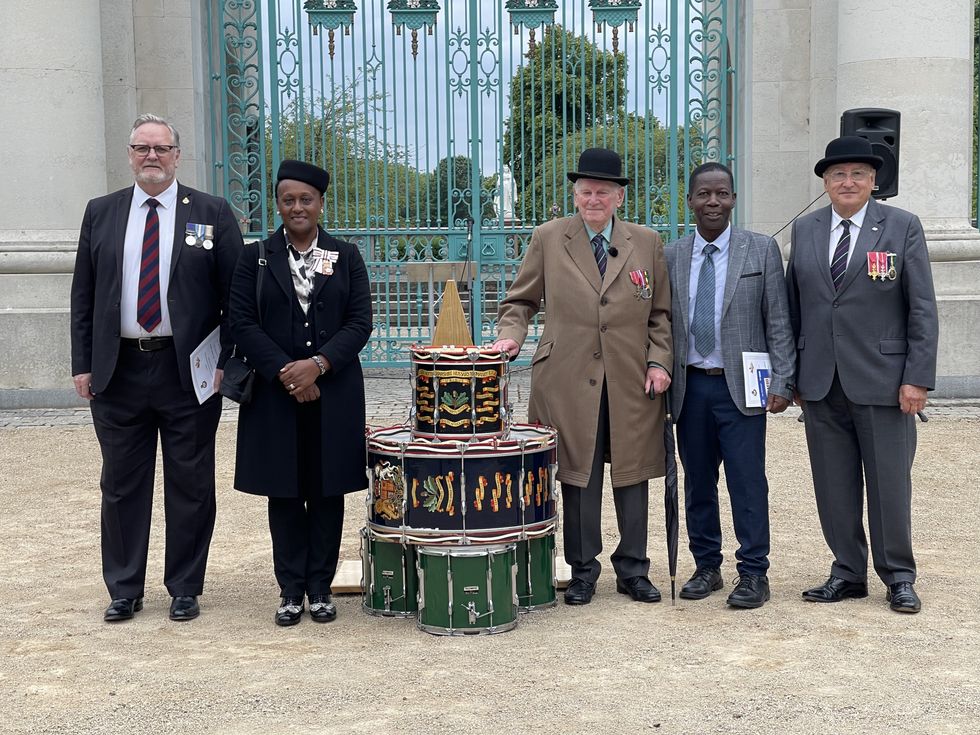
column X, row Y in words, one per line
column 882, row 265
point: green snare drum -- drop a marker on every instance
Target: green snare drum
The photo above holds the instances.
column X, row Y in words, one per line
column 536, row 584
column 467, row 590
column 388, row 577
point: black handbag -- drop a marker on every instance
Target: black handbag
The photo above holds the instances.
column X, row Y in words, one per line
column 239, row 378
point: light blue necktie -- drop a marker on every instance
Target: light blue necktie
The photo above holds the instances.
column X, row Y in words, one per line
column 703, row 321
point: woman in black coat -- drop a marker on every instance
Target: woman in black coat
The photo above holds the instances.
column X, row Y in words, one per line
column 301, row 438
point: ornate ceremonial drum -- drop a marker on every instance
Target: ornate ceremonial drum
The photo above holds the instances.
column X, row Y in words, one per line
column 459, row 392
column 467, row 590
column 462, row 503
column 481, row 491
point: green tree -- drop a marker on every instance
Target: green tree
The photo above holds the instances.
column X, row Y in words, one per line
column 371, row 183
column 566, row 85
column 649, row 193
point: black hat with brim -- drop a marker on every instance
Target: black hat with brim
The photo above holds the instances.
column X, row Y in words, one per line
column 305, row 172
column 601, row 164
column 848, row 149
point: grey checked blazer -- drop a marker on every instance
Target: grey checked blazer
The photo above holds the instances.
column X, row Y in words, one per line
column 754, row 316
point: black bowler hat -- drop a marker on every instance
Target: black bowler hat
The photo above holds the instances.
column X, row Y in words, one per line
column 848, row 149
column 599, row 163
column 305, row 172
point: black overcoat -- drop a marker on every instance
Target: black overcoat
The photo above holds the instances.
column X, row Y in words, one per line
column 338, row 325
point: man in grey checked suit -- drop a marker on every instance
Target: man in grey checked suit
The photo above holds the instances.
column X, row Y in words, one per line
column 728, row 297
column 864, row 314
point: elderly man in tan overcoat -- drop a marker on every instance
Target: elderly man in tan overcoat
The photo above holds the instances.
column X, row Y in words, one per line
column 604, row 350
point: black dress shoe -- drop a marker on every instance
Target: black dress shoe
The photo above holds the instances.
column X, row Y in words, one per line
column 579, row 592
column 704, row 581
column 639, row 588
column 184, row 607
column 836, row 589
column 290, row 611
column 322, row 609
column 122, row 608
column 751, row 591
column 902, row 597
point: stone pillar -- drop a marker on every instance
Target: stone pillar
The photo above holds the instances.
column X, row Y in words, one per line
column 917, row 58
column 170, row 36
column 775, row 114
column 54, row 161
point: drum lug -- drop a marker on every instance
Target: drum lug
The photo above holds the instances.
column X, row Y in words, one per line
column 387, row 595
column 472, row 613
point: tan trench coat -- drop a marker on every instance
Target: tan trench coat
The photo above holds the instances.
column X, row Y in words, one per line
column 595, row 329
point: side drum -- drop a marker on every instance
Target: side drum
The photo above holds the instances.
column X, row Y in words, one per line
column 467, row 590
column 389, row 577
column 459, row 392
column 536, row 583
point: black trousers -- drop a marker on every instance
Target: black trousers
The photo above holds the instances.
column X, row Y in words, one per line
column 582, row 511
column 145, row 400
column 306, row 530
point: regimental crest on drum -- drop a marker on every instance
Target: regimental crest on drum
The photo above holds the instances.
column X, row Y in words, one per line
column 389, row 490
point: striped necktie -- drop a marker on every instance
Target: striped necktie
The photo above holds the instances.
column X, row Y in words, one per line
column 838, row 264
column 599, row 249
column 703, row 321
column 148, row 313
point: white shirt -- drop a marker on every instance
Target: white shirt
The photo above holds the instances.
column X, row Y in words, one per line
column 857, row 221
column 129, row 328
column 720, row 259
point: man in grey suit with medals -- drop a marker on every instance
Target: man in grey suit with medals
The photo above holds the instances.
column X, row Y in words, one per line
column 728, row 298
column 864, row 314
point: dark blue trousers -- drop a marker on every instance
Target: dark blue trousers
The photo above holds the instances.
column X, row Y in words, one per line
column 712, row 430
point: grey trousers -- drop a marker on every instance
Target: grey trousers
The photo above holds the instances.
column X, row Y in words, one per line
column 852, row 445
column 581, row 509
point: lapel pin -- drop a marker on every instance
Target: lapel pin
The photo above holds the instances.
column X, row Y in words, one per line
column 185, row 200
column 874, row 229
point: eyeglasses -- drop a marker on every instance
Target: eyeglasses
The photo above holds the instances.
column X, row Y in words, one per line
column 144, row 150
column 858, row 177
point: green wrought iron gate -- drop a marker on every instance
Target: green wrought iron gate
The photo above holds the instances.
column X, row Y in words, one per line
column 448, row 126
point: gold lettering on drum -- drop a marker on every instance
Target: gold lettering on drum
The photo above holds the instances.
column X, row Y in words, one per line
column 481, row 490
column 454, row 424
column 450, row 508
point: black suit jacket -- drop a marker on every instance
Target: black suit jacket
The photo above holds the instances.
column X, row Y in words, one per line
column 199, row 282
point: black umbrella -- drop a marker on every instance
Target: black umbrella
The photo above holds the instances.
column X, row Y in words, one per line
column 670, row 494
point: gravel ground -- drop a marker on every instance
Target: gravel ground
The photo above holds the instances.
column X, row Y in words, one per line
column 613, row 666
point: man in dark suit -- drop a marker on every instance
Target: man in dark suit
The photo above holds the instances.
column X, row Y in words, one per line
column 728, row 297
column 864, row 314
column 151, row 281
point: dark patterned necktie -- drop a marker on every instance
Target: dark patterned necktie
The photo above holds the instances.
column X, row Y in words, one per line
column 148, row 313
column 600, row 254
column 703, row 321
column 838, row 264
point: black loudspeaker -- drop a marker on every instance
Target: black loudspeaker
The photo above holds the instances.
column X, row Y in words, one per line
column 882, row 128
